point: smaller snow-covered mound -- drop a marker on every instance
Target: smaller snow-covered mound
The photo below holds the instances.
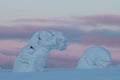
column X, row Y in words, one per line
column 95, row 57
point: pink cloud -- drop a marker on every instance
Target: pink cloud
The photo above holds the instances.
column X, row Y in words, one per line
column 61, row 63
column 26, row 31
column 17, row 31
column 115, row 53
column 11, row 47
column 45, row 20
column 102, row 19
column 101, row 40
column 89, row 19
column 73, row 33
column 6, row 61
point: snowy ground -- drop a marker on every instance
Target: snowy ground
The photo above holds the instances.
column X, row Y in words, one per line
column 64, row 74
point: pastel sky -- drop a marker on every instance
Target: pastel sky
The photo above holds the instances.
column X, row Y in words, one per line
column 83, row 22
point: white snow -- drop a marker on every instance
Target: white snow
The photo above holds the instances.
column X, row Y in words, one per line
column 33, row 56
column 65, row 74
column 95, row 57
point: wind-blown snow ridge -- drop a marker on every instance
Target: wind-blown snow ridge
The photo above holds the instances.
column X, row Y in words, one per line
column 33, row 56
column 95, row 57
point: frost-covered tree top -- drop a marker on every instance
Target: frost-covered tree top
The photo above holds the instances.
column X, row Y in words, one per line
column 49, row 38
column 33, row 56
column 95, row 57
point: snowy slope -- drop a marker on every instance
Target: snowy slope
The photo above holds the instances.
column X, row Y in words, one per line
column 65, row 74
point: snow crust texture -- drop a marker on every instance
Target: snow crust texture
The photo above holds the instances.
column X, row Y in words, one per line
column 95, row 57
column 33, row 56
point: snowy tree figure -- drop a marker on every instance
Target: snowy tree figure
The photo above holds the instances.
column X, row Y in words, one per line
column 95, row 57
column 33, row 56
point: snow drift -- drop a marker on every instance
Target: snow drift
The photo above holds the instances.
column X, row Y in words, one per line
column 95, row 57
column 33, row 56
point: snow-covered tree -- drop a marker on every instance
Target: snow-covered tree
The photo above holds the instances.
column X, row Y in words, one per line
column 95, row 57
column 33, row 56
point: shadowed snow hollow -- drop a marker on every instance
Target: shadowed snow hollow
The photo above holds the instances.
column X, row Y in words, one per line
column 33, row 56
column 95, row 57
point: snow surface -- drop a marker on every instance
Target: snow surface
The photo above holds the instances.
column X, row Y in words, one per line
column 117, row 66
column 95, row 57
column 33, row 56
column 65, row 74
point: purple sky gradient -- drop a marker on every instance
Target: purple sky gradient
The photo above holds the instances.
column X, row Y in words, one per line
column 82, row 32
